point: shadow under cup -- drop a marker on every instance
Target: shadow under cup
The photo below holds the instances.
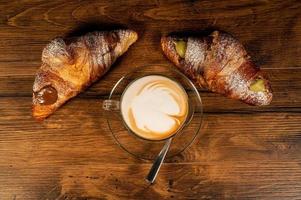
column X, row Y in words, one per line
column 144, row 148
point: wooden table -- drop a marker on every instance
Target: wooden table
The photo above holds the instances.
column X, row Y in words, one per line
column 243, row 152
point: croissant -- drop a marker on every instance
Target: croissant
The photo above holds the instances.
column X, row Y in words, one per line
column 221, row 64
column 70, row 65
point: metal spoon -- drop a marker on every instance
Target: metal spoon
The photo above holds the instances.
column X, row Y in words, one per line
column 158, row 162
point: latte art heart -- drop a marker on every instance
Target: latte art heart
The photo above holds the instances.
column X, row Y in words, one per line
column 154, row 107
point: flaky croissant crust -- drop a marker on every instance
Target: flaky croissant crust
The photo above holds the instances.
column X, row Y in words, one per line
column 221, row 64
column 71, row 65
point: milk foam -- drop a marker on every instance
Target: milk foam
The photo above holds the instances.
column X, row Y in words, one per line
column 154, row 107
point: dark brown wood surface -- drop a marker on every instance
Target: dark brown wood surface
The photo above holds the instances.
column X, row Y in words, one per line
column 243, row 152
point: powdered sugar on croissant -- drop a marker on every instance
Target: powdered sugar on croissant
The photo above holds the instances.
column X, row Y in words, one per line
column 71, row 65
column 221, row 64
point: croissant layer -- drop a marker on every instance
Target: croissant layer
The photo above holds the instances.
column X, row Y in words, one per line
column 70, row 65
column 221, row 64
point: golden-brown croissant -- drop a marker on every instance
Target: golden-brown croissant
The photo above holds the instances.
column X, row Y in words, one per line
column 70, row 65
column 221, row 64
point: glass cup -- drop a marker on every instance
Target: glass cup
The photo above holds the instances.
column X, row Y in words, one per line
column 146, row 148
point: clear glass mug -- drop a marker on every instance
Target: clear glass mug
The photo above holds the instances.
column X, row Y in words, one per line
column 144, row 148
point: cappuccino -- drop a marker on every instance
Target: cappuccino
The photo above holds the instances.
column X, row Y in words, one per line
column 154, row 107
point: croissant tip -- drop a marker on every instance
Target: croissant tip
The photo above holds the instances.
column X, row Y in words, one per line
column 38, row 118
column 135, row 34
column 269, row 101
column 268, row 97
column 132, row 32
column 40, row 113
column 164, row 39
column 164, row 42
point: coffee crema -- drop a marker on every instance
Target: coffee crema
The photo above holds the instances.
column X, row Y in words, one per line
column 154, row 107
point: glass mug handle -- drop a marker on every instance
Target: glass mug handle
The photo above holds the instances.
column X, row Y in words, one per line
column 111, row 105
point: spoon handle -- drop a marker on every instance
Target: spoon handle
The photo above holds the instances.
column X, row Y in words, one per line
column 158, row 162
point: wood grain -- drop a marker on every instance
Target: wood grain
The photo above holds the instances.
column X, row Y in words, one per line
column 286, row 85
column 215, row 180
column 242, row 152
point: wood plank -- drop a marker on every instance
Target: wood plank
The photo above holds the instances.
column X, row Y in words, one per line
column 83, row 136
column 208, row 180
column 286, row 81
column 286, row 84
column 271, row 31
column 242, row 152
